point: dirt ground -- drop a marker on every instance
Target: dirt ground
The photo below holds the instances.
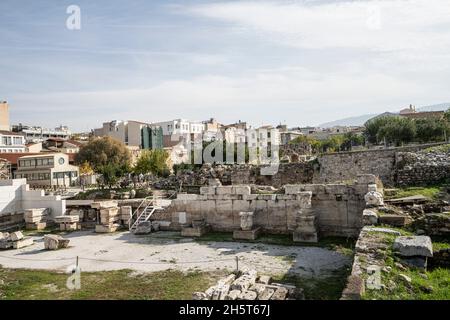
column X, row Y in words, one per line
column 165, row 250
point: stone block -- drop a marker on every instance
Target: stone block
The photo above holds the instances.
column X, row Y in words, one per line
column 155, row 226
column 67, row 219
column 241, row 189
column 100, row 228
column 36, row 226
column 246, row 235
column 249, row 197
column 304, row 199
column 233, row 295
column 247, row 295
column 224, row 206
column 264, row 279
column 69, row 226
column 280, row 294
column 267, row 197
column 104, row 204
column 55, row 242
column 104, row 212
column 144, row 227
column 224, row 190
column 394, row 220
column 245, row 281
column 195, row 231
column 207, row 190
column 292, row 188
column 24, row 242
column 186, row 196
column 286, row 197
column 370, row 217
column 354, row 289
column 16, row 236
column 413, row 246
column 266, row 294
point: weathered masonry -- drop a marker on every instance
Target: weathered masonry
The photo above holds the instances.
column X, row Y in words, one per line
column 336, row 208
column 344, row 166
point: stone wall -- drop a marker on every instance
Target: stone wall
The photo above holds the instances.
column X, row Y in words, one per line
column 288, row 173
column 344, row 166
column 338, row 208
column 424, row 167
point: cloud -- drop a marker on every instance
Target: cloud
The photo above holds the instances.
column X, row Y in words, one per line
column 385, row 25
column 298, row 95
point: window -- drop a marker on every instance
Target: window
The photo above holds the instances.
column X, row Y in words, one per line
column 18, row 140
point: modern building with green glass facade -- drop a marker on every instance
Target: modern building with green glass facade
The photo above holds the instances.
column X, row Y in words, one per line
column 152, row 137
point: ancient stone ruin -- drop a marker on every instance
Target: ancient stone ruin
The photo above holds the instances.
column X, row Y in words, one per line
column 247, row 285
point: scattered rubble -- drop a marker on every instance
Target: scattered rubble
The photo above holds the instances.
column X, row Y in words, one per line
column 248, row 286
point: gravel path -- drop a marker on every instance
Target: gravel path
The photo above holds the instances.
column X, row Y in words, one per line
column 165, row 250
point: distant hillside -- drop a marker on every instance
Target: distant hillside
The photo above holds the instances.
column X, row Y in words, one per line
column 352, row 121
column 360, row 120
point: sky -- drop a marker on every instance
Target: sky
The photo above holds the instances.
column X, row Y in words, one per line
column 266, row 62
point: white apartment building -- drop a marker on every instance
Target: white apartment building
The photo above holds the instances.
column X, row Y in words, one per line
column 47, row 170
column 181, row 126
column 263, row 137
column 11, row 142
column 39, row 134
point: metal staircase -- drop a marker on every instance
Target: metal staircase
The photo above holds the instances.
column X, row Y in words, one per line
column 149, row 205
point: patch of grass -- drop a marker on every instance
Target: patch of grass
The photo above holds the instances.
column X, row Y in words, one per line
column 425, row 285
column 323, row 288
column 429, row 192
column 111, row 285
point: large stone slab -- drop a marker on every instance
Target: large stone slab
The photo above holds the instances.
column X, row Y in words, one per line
column 104, row 204
column 394, row 220
column 414, row 246
column 67, row 219
column 195, row 231
column 55, row 242
column 25, row 242
column 246, row 234
column 16, row 236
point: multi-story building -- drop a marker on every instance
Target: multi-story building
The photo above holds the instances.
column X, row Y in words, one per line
column 47, row 170
column 133, row 133
column 11, row 142
column 39, row 134
column 180, row 126
column 4, row 116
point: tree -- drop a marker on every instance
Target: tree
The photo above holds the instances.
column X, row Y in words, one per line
column 430, row 130
column 152, row 161
column 397, row 130
column 447, row 115
column 352, row 139
column 111, row 173
column 86, row 169
column 100, row 152
column 372, row 127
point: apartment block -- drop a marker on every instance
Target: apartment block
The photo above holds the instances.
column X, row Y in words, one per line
column 47, row 170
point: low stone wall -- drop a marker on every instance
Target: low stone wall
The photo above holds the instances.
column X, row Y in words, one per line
column 344, row 166
column 423, row 168
column 338, row 208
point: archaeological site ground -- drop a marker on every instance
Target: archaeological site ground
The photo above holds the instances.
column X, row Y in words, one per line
column 356, row 225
